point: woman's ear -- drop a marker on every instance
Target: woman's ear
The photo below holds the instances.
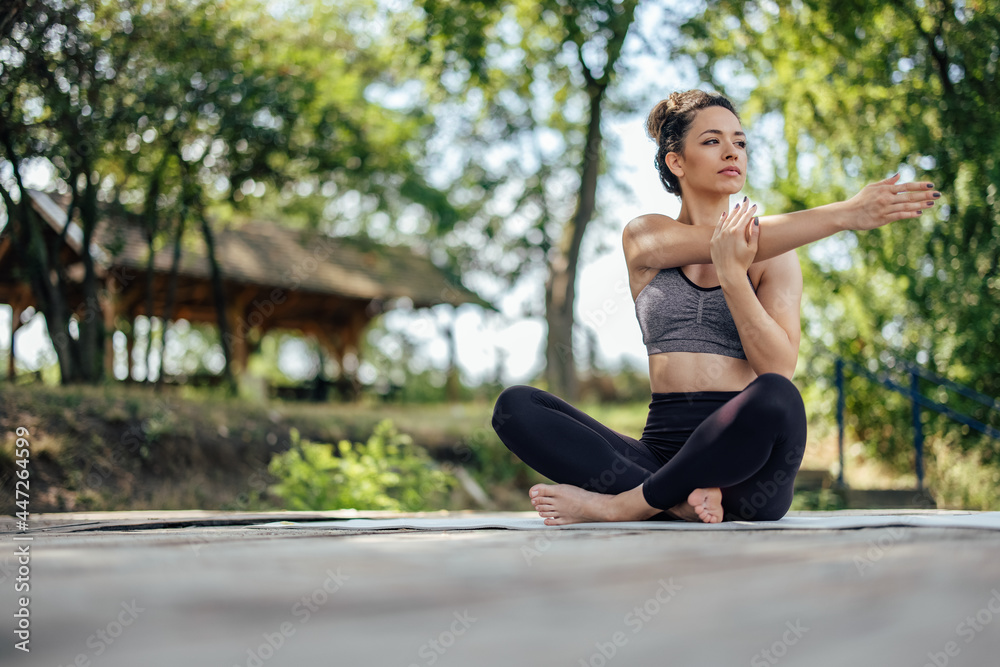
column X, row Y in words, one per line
column 673, row 161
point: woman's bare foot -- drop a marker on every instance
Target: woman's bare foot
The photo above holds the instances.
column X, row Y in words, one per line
column 703, row 505
column 561, row 504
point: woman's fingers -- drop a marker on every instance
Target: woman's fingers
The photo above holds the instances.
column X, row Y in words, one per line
column 901, row 215
column 917, row 186
column 907, row 197
column 909, row 206
column 915, row 195
column 741, row 212
column 733, row 241
column 888, row 200
column 739, row 221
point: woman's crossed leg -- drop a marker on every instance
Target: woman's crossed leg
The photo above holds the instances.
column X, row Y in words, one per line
column 740, row 463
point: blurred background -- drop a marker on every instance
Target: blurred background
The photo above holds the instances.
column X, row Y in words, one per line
column 264, row 255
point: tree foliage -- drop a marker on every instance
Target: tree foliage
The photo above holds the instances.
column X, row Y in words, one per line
column 862, row 90
column 536, row 81
column 168, row 111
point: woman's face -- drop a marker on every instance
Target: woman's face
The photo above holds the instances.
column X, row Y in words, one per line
column 714, row 159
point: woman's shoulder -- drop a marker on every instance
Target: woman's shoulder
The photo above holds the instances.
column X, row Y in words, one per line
column 646, row 221
column 641, row 230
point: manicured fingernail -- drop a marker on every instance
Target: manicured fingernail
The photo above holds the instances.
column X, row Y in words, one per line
column 534, row 492
column 745, row 199
column 919, row 212
column 930, row 186
column 930, row 203
column 756, row 221
column 936, row 195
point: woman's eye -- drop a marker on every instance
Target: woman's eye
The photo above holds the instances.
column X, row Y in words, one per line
column 741, row 144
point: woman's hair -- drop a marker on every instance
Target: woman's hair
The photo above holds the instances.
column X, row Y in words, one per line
column 668, row 124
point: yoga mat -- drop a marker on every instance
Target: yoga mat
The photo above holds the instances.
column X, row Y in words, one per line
column 974, row 520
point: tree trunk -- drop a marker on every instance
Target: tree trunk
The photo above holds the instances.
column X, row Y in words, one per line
column 560, row 288
column 175, row 264
column 91, row 322
column 168, row 307
column 219, row 296
column 151, row 221
column 29, row 242
column 453, row 383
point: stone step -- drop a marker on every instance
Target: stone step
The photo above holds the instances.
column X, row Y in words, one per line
column 818, row 480
column 813, row 480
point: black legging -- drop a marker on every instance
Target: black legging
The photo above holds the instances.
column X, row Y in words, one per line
column 748, row 443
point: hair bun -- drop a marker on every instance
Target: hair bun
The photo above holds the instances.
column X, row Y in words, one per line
column 659, row 116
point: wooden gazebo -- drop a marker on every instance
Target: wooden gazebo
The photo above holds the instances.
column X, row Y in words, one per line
column 273, row 278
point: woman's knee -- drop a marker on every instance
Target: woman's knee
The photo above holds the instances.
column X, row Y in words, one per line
column 511, row 401
column 776, row 383
column 779, row 395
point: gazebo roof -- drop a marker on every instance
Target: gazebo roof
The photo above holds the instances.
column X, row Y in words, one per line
column 268, row 255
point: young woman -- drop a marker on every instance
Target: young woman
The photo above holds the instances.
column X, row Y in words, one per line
column 717, row 293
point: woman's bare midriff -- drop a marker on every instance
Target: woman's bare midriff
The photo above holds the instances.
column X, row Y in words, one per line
column 689, row 371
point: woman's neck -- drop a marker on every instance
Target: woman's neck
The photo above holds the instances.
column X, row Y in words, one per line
column 702, row 210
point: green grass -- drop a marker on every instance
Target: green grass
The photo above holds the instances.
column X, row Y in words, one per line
column 128, row 447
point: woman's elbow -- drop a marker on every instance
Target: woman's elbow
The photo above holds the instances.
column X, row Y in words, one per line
column 783, row 367
column 787, row 367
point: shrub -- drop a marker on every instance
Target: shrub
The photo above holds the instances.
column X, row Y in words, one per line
column 387, row 473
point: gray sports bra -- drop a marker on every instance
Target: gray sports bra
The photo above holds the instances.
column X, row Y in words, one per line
column 675, row 315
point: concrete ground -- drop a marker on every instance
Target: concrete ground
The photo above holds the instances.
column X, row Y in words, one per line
column 187, row 589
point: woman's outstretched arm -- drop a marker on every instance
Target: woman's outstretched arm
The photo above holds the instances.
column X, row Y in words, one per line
column 658, row 242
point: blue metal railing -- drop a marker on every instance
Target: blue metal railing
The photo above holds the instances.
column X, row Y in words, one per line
column 917, row 400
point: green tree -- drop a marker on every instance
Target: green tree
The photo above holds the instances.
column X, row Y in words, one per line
column 58, row 102
column 177, row 115
column 537, row 81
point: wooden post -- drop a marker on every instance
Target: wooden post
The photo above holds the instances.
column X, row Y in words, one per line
column 15, row 323
column 129, row 346
column 239, row 328
column 109, row 305
column 840, row 418
column 918, row 428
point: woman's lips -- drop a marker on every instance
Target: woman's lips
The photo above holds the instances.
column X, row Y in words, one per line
column 732, row 171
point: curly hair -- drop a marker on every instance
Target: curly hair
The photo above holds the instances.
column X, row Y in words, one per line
column 668, row 124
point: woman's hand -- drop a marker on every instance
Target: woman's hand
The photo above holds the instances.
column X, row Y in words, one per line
column 734, row 243
column 880, row 203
